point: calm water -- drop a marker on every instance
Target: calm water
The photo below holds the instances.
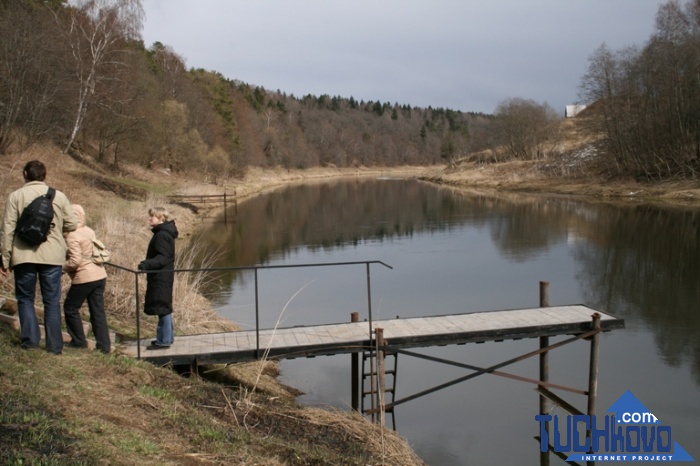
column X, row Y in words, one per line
column 455, row 252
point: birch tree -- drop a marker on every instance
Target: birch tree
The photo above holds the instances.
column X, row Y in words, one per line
column 97, row 29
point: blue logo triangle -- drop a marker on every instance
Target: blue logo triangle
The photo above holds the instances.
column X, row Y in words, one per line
column 629, row 410
column 679, row 454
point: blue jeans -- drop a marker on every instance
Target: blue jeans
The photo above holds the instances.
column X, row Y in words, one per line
column 25, row 291
column 165, row 332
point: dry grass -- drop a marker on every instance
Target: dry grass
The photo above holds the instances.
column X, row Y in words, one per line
column 392, row 446
column 85, row 408
column 82, row 408
column 123, row 226
column 256, row 376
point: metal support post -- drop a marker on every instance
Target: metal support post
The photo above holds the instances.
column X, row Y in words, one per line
column 381, row 378
column 544, row 368
column 593, row 369
column 257, row 318
column 138, row 318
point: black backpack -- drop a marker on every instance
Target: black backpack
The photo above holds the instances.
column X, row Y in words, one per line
column 37, row 219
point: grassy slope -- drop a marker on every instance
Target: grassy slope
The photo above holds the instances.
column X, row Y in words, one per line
column 86, row 408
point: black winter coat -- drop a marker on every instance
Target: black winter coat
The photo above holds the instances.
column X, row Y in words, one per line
column 160, row 256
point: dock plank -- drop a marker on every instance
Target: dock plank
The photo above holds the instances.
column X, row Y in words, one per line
column 401, row 332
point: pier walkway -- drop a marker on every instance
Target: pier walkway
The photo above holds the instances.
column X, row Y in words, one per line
column 354, row 337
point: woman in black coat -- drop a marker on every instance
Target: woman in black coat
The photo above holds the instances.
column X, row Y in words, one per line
column 160, row 256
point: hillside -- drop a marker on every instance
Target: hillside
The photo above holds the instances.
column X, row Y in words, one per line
column 574, row 168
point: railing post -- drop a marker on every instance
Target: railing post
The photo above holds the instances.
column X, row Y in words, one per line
column 355, row 372
column 257, row 318
column 369, row 300
column 138, row 318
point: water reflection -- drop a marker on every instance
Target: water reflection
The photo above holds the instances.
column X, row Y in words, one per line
column 643, row 261
column 635, row 259
column 457, row 251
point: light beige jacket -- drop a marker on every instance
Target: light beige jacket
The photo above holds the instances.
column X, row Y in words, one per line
column 53, row 250
column 79, row 264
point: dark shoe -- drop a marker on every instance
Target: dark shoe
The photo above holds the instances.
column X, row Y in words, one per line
column 27, row 346
column 56, row 353
column 75, row 345
column 155, row 342
column 157, row 347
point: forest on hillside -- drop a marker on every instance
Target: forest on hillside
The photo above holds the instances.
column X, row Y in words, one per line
column 77, row 74
column 647, row 98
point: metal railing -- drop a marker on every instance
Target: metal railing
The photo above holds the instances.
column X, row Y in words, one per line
column 255, row 268
column 191, row 201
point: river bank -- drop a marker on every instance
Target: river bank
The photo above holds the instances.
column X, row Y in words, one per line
column 527, row 177
column 138, row 413
column 532, row 177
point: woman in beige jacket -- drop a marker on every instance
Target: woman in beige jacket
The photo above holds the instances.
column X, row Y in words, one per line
column 88, row 281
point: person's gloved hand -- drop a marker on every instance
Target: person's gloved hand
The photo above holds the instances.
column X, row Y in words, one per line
column 142, row 265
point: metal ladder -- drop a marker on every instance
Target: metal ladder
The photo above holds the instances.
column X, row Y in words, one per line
column 370, row 384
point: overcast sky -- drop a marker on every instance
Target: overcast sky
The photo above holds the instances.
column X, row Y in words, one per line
column 464, row 55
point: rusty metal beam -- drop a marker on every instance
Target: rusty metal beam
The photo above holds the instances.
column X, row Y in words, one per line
column 491, row 369
column 559, row 401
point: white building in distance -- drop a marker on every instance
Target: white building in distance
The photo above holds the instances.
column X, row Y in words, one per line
column 573, row 110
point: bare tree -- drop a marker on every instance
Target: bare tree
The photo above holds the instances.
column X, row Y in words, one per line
column 525, row 129
column 170, row 69
column 606, row 85
column 647, row 100
column 30, row 73
column 96, row 30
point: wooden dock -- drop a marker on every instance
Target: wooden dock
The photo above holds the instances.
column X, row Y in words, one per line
column 309, row 341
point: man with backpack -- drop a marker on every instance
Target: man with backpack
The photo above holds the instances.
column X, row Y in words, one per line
column 34, row 249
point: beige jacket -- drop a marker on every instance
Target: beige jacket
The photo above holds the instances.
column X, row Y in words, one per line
column 79, row 264
column 53, row 250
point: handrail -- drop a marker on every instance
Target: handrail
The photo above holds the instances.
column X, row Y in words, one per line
column 255, row 268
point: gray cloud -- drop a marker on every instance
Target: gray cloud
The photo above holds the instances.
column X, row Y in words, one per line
column 462, row 54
